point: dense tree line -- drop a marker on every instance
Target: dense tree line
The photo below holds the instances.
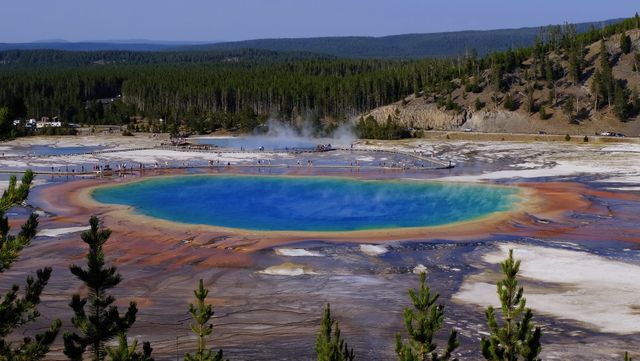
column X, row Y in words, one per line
column 205, row 91
column 336, row 88
column 30, row 59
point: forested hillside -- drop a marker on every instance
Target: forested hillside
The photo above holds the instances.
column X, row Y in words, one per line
column 572, row 83
column 239, row 89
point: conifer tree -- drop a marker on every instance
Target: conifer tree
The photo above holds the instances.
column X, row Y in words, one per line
column 576, row 59
column 627, row 357
column 17, row 310
column 126, row 352
column 543, row 113
column 201, row 314
column 478, row 104
column 621, row 102
column 496, row 76
column 96, row 319
column 422, row 322
column 329, row 344
column 509, row 103
column 517, row 338
column 531, row 102
column 603, row 84
column 625, row 43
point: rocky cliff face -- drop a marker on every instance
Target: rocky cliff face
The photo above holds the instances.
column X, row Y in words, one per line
column 420, row 115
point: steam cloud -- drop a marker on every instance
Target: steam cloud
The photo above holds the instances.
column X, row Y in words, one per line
column 306, row 132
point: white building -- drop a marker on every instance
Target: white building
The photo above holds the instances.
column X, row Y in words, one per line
column 40, row 125
column 46, row 122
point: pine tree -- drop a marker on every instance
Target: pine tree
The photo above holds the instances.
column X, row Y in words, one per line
column 5, row 124
column 15, row 310
column 531, row 103
column 603, row 83
column 621, row 102
column 516, row 339
column 496, row 76
column 96, row 319
column 604, row 55
column 478, row 104
column 569, row 106
column 509, row 103
column 126, row 352
column 575, row 63
column 201, row 314
column 550, row 75
column 625, row 43
column 329, row 344
column 422, row 322
column 627, row 357
column 543, row 113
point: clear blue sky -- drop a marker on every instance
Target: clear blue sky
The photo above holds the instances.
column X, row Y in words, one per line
column 206, row 20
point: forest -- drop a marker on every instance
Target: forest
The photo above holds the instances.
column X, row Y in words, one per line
column 238, row 89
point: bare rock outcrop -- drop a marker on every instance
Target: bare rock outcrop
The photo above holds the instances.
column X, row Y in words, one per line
column 420, row 115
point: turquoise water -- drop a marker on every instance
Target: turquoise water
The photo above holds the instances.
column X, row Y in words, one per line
column 307, row 203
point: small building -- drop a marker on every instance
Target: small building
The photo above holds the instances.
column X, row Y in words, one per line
column 46, row 122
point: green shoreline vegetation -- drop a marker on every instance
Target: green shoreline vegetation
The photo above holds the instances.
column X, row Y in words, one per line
column 97, row 322
column 240, row 89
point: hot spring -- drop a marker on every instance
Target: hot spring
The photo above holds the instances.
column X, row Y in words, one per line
column 320, row 204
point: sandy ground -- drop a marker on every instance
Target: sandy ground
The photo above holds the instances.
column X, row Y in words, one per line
column 600, row 292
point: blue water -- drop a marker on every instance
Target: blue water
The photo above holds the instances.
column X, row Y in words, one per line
column 273, row 203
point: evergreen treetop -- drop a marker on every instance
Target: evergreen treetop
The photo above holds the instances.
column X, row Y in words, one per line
column 16, row 310
column 329, row 344
column 516, row 338
column 422, row 322
column 96, row 319
column 126, row 352
column 201, row 313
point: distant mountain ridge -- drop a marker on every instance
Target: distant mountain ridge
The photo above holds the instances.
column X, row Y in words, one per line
column 102, row 45
column 409, row 46
column 86, row 46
